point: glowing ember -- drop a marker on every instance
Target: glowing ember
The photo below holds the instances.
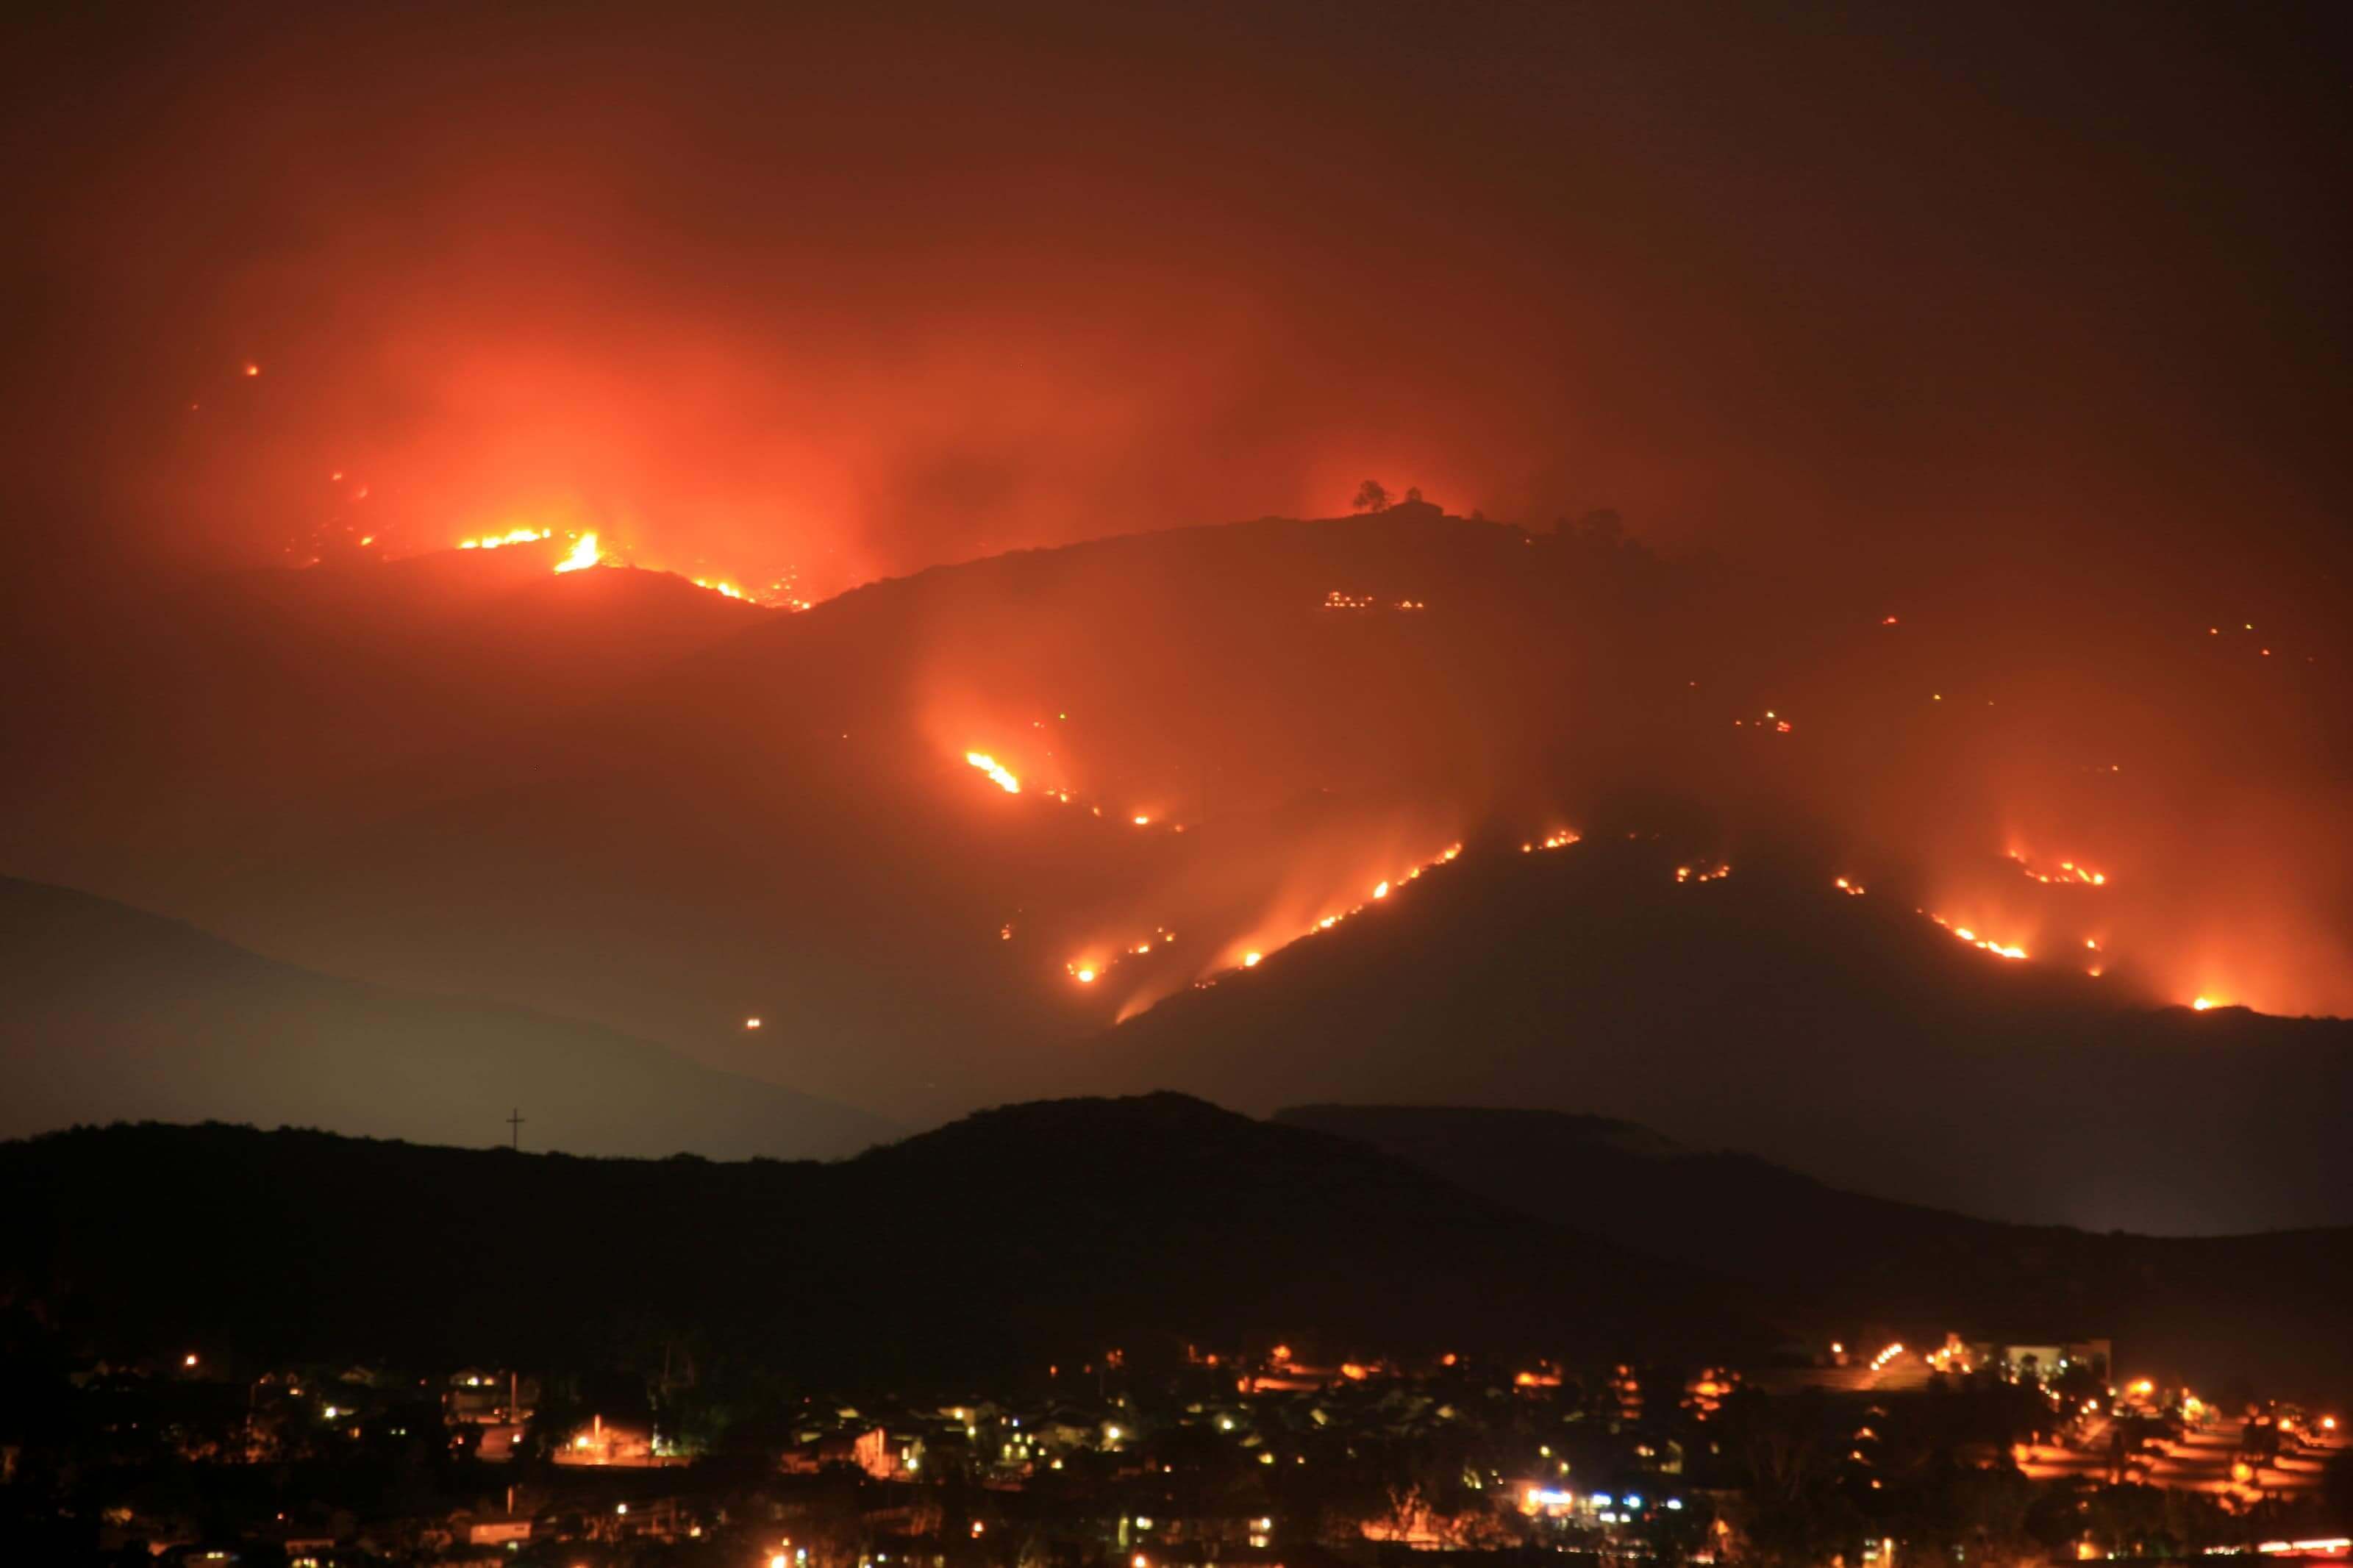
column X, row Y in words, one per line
column 1852, row 888
column 584, row 554
column 1085, row 974
column 1381, row 892
column 997, row 772
column 1250, row 960
column 751, row 1023
column 1559, row 839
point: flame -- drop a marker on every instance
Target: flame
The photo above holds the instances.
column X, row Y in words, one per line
column 725, row 590
column 584, row 554
column 1560, row 839
column 1854, row 889
column 2069, row 873
column 997, row 772
column 2000, row 950
column 516, row 536
column 2203, row 1003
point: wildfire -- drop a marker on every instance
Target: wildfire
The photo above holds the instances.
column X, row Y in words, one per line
column 724, row 590
column 998, row 773
column 1715, row 873
column 2069, row 873
column 585, row 554
column 2000, row 950
column 1252, row 958
column 516, row 536
column 1559, row 839
column 1852, row 888
column 2203, row 1003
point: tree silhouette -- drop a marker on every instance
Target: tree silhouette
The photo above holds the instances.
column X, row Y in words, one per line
column 1371, row 496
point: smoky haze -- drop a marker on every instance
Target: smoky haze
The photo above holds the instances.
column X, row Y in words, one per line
column 2051, row 289
column 1973, row 382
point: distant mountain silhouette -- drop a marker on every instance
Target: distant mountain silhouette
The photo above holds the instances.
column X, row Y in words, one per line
column 2267, row 1308
column 1034, row 1234
column 107, row 1014
column 1842, row 1036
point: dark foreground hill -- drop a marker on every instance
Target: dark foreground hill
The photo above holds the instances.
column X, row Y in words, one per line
column 1848, row 1037
column 2268, row 1309
column 109, row 1014
column 1034, row 1232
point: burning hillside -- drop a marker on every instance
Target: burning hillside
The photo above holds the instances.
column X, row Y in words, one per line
column 1009, row 804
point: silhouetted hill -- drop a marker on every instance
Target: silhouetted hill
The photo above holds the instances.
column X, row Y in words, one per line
column 1846, row 1037
column 1035, row 1233
column 2213, row 1312
column 107, row 1014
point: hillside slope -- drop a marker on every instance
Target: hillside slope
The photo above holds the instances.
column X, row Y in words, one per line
column 107, row 1014
column 184, row 728
column 1847, row 1038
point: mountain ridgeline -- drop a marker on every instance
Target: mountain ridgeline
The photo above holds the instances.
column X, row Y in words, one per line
column 2264, row 1311
column 1012, row 1239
